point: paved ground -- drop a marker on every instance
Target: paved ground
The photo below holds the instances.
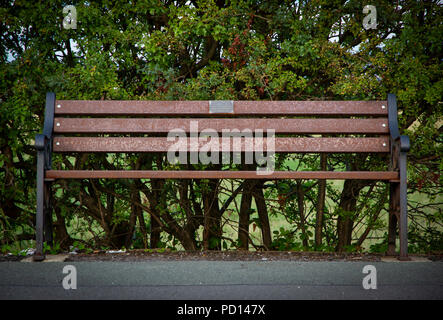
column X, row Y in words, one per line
column 224, row 280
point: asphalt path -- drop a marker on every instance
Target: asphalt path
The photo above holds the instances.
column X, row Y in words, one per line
column 220, row 280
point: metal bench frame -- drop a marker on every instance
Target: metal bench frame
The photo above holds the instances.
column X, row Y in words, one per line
column 395, row 144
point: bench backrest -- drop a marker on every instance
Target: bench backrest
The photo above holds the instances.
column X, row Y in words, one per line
column 141, row 126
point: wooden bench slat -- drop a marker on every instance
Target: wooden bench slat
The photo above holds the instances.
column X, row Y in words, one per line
column 208, row 174
column 147, row 144
column 179, row 108
column 119, row 125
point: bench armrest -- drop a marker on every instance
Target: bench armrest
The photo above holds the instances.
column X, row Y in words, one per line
column 404, row 143
column 40, row 142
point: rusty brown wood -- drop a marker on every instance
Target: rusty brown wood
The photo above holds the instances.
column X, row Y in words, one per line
column 187, row 174
column 118, row 125
column 177, row 108
column 313, row 145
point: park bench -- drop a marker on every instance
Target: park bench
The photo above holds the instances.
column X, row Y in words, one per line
column 325, row 126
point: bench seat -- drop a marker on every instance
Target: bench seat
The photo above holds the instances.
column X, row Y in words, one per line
column 392, row 176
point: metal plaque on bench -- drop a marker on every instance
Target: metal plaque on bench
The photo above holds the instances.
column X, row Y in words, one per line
column 221, row 106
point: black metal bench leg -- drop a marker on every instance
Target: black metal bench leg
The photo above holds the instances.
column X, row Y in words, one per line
column 398, row 214
column 393, row 216
column 43, row 144
column 48, row 237
column 39, row 224
column 403, row 197
column 400, row 145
